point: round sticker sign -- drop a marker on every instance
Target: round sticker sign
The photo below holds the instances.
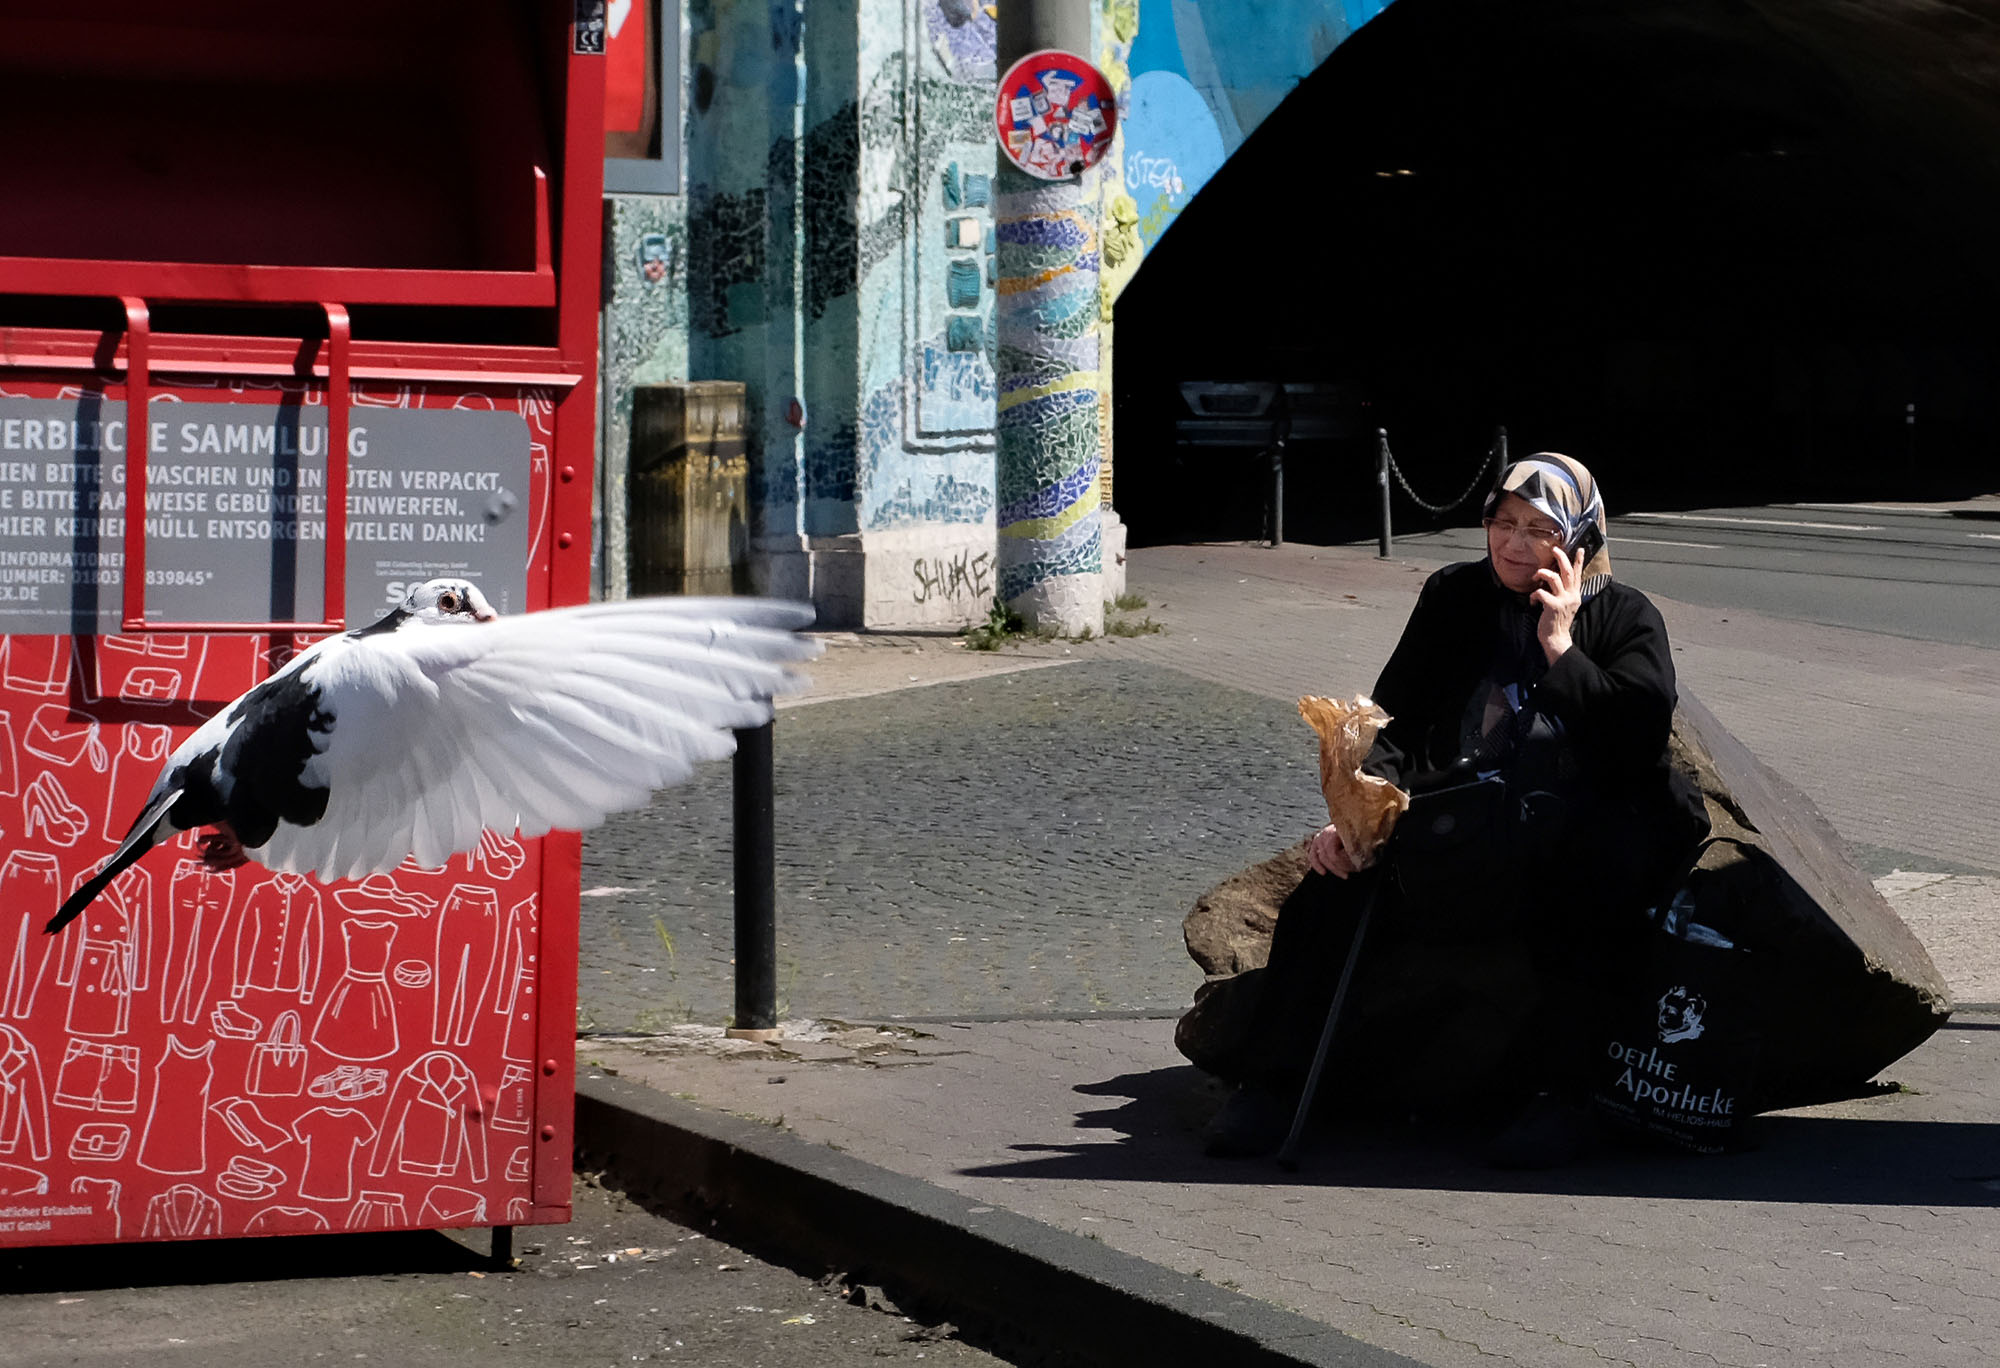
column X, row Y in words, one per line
column 1056, row 114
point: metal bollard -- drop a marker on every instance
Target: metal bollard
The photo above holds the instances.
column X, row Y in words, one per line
column 1500, row 443
column 1278, row 493
column 1382, row 479
column 756, row 888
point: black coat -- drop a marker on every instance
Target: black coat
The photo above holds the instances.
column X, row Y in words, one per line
column 1638, row 819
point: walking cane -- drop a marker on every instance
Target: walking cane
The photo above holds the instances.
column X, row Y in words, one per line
column 1288, row 1154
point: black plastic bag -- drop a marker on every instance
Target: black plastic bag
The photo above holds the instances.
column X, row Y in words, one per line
column 1679, row 1062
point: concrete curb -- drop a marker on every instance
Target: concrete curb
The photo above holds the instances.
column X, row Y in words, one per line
column 1043, row 1285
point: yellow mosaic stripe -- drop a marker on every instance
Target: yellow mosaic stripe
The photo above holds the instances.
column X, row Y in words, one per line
column 1076, row 380
column 1046, row 529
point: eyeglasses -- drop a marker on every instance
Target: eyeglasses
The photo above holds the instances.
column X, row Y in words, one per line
column 1534, row 534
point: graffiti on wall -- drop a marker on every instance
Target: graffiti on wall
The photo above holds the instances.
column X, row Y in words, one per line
column 965, row 577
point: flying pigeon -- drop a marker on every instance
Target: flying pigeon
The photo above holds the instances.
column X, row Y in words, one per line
column 444, row 720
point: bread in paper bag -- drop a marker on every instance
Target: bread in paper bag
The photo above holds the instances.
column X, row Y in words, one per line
column 1364, row 808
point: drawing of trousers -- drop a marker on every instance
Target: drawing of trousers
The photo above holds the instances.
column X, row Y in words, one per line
column 514, row 1110
column 377, row 1211
column 468, row 941
column 99, row 1077
column 197, row 903
column 28, row 883
column 10, row 758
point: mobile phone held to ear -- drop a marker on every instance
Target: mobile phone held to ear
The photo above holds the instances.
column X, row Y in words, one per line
column 1584, row 540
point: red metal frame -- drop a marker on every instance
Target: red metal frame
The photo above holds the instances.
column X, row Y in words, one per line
column 208, row 282
column 333, row 615
column 565, row 278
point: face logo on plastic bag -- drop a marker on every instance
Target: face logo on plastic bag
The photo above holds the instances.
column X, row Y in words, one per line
column 1680, row 1015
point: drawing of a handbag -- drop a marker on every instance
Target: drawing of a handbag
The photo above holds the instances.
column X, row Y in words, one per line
column 278, row 1062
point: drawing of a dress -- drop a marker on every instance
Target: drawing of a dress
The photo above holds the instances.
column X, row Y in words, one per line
column 359, row 1019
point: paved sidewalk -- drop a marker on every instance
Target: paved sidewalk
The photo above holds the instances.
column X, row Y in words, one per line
column 1007, row 851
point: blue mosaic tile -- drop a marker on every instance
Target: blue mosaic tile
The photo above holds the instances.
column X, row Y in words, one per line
column 963, row 333
column 961, row 286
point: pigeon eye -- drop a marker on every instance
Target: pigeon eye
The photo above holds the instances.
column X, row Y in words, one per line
column 448, row 602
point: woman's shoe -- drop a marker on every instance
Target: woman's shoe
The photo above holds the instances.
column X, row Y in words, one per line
column 1254, row 1121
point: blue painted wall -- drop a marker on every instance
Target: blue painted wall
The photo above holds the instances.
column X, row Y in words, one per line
column 1205, row 73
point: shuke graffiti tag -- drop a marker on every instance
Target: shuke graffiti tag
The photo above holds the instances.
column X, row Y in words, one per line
column 956, row 577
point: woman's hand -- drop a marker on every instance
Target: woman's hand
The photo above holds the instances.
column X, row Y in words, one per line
column 1560, row 595
column 1329, row 856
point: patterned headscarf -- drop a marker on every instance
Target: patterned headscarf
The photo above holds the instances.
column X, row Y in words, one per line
column 1561, row 488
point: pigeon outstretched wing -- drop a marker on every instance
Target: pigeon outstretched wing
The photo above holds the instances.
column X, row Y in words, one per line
column 548, row 720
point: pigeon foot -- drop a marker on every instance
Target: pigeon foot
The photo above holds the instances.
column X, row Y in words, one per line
column 221, row 850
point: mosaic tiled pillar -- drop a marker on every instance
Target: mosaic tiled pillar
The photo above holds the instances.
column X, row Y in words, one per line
column 1050, row 544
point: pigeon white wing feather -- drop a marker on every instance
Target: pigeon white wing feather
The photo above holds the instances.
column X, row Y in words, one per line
column 544, row 721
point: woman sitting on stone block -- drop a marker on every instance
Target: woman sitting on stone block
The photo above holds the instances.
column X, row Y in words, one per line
column 1535, row 670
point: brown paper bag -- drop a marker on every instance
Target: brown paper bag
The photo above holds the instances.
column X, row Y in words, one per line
column 1363, row 808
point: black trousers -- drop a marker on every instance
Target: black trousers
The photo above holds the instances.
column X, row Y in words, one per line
column 1522, row 981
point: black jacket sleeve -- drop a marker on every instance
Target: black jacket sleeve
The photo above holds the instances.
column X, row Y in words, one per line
column 1614, row 688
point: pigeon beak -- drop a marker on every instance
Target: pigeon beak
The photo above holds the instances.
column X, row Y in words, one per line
column 486, row 615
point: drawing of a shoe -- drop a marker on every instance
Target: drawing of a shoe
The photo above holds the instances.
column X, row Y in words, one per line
column 62, row 822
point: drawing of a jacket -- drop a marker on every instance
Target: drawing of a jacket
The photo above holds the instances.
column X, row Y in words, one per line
column 24, row 1106
column 182, row 1212
column 278, row 938
column 435, row 1121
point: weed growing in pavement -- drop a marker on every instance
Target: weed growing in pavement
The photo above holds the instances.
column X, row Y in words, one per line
column 1129, row 602
column 1001, row 623
column 1125, row 627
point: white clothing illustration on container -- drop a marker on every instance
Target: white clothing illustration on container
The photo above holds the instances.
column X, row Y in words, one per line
column 101, row 1142
column 274, row 1220
column 29, row 882
column 249, row 1125
column 10, row 759
column 17, row 1180
column 47, row 806
column 175, row 1136
column 66, row 737
column 24, row 1106
column 198, row 901
column 516, row 995
column 468, row 942
column 514, row 1108
column 358, row 1021
column 445, row 1205
column 278, row 938
column 435, row 1123
column 36, row 664
column 99, row 1076
column 104, row 955
column 333, row 1136
column 377, row 1211
column 142, row 748
column 102, row 1192
column 182, row 1212
column 154, row 670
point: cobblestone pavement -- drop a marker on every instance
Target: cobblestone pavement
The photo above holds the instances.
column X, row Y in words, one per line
column 1024, row 837
column 1016, row 845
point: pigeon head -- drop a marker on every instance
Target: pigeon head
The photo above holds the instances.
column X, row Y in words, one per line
column 448, row 600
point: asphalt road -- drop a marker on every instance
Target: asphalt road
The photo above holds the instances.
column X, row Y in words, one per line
column 620, row 1285
column 1917, row 573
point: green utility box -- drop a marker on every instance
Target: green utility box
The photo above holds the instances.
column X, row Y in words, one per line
column 689, row 528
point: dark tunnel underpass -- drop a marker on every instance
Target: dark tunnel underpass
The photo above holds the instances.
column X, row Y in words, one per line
column 1716, row 250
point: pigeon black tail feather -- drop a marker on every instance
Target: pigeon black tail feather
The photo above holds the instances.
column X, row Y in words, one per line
column 140, row 839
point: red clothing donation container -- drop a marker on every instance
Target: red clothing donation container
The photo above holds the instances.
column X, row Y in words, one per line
column 319, row 248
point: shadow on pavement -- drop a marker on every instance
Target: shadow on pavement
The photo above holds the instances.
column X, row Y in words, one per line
column 1799, row 1158
column 89, row 1268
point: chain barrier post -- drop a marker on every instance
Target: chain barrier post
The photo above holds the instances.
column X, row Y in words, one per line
column 1382, row 479
column 1500, row 446
column 1278, row 493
